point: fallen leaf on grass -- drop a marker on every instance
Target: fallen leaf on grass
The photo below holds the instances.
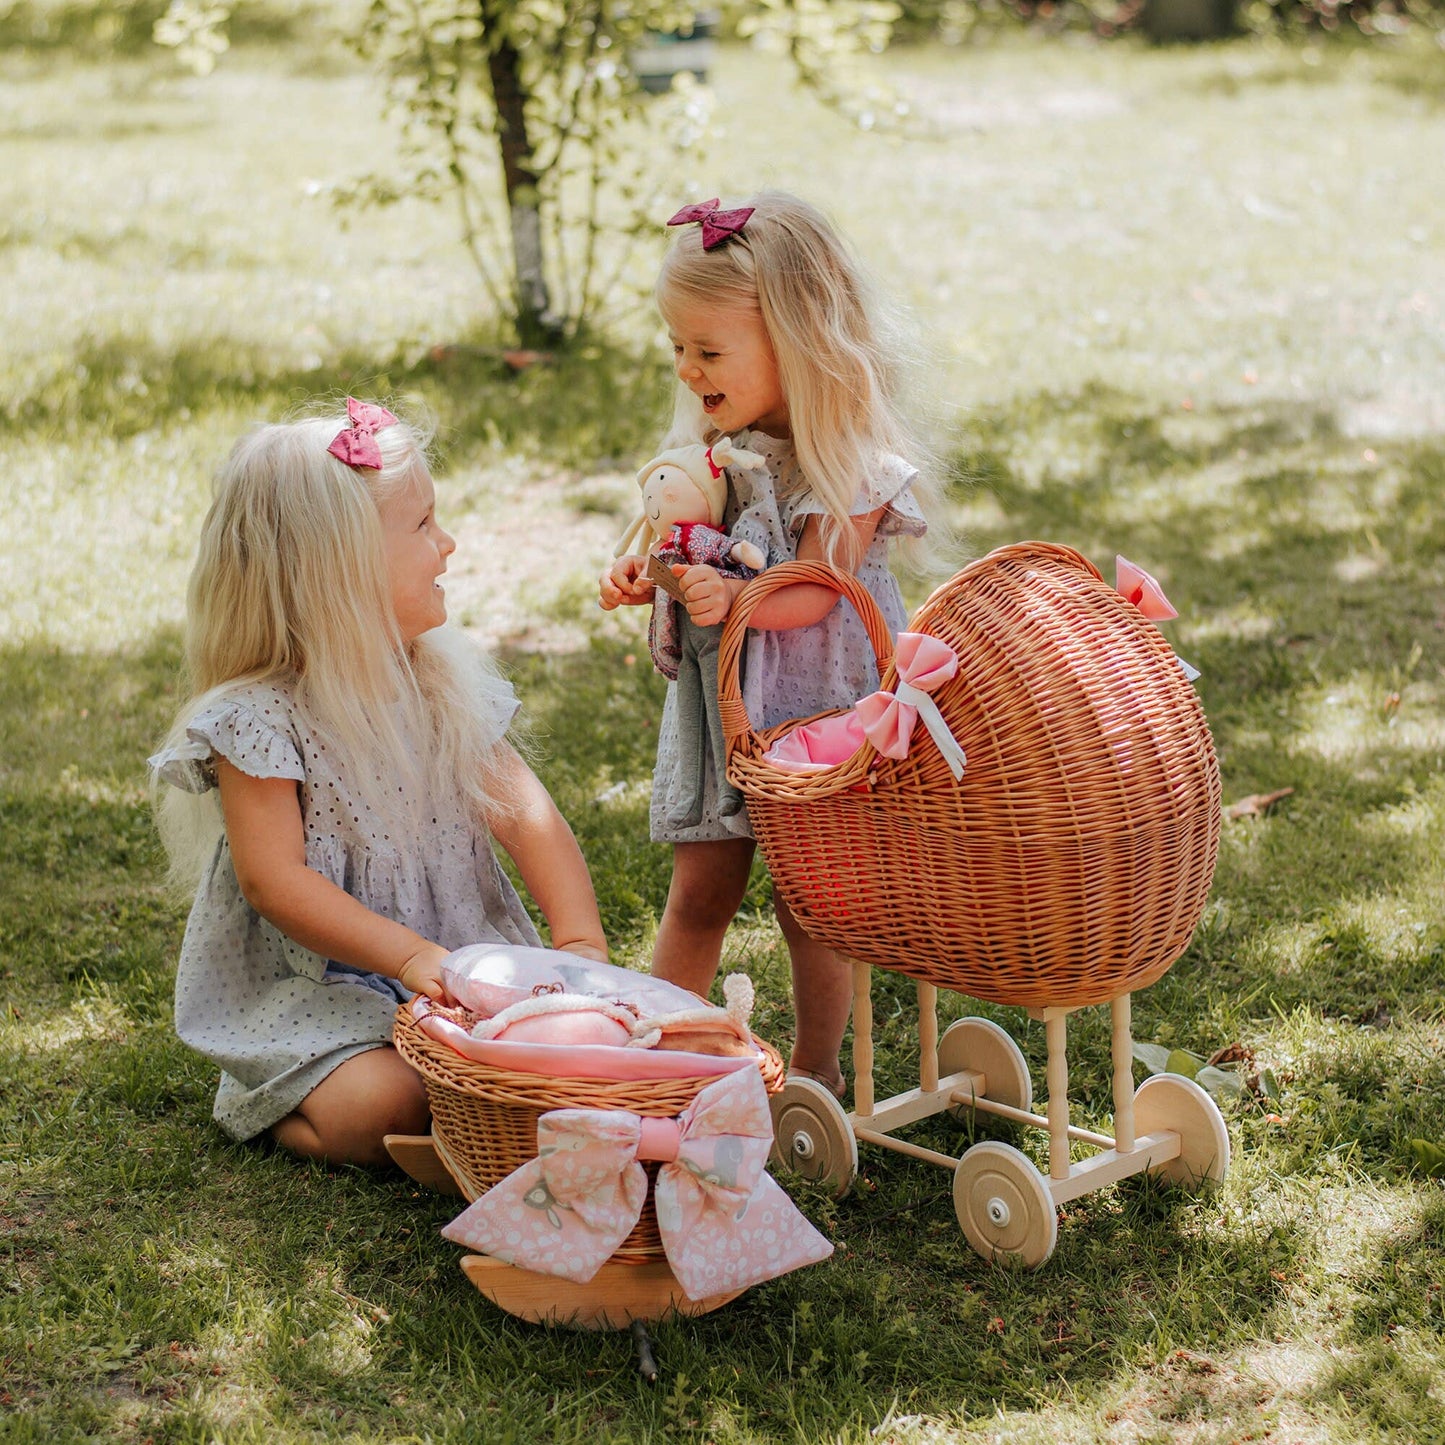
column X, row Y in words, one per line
column 1429, row 1156
column 1256, row 804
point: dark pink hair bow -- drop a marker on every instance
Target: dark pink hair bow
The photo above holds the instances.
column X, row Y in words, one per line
column 356, row 444
column 717, row 225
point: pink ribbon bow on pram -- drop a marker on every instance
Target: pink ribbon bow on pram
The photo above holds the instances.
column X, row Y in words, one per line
column 924, row 664
column 725, row 1223
column 1138, row 587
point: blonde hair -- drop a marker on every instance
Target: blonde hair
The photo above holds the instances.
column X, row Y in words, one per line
column 290, row 587
column 839, row 352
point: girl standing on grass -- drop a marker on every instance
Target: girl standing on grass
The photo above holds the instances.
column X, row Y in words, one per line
column 357, row 749
column 778, row 344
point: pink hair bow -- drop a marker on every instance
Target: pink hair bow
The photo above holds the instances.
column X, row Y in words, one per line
column 924, row 664
column 725, row 1223
column 717, row 225
column 1142, row 590
column 356, row 444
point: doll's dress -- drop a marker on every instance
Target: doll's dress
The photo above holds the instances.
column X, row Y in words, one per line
column 686, row 653
column 801, row 670
column 276, row 1017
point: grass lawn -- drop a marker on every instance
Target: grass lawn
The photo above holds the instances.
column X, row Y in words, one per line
column 1185, row 305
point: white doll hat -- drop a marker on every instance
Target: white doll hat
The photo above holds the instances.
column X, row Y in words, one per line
column 704, row 464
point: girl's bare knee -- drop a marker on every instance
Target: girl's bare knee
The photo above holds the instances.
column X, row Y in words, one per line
column 346, row 1116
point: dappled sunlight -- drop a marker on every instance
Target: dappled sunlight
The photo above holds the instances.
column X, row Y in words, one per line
column 87, row 1023
column 1360, row 566
column 1360, row 717
column 1243, row 622
column 1164, row 316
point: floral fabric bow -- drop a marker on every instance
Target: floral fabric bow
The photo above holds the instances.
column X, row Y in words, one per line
column 356, row 444
column 717, row 226
column 924, row 664
column 725, row 1223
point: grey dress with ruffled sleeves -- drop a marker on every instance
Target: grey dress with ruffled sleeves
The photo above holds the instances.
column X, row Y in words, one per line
column 801, row 670
column 276, row 1017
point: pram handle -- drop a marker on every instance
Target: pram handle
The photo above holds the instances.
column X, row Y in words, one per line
column 745, row 745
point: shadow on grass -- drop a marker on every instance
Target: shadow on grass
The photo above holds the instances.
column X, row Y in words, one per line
column 588, row 406
column 311, row 1297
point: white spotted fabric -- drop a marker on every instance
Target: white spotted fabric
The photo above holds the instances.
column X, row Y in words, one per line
column 802, row 670
column 258, row 1004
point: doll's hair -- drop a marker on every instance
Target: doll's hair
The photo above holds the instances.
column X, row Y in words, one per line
column 840, row 353
column 290, row 587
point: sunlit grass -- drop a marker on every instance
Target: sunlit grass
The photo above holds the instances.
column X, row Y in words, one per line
column 1183, row 305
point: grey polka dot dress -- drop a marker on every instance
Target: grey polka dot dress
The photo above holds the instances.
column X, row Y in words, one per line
column 276, row 1017
column 801, row 670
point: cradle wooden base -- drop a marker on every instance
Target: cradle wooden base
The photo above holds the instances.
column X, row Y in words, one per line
column 614, row 1298
column 1007, row 1209
column 416, row 1155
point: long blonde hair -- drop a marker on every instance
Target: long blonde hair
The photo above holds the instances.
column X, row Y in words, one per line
column 290, row 588
column 840, row 352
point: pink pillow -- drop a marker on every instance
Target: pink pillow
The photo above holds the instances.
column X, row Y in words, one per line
column 818, row 745
column 586, row 1027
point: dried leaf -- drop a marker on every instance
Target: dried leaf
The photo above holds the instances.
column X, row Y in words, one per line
column 1256, row 804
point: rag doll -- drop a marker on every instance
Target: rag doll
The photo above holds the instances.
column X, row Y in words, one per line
column 684, row 491
column 569, row 1018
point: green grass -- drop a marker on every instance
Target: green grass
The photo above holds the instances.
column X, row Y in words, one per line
column 1183, row 305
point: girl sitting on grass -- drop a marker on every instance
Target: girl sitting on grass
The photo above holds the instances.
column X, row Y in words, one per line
column 777, row 342
column 340, row 775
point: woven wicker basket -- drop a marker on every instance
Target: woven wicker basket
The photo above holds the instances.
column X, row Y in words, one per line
column 484, row 1120
column 1071, row 863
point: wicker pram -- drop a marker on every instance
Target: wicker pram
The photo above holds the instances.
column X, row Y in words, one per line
column 484, row 1126
column 1067, row 867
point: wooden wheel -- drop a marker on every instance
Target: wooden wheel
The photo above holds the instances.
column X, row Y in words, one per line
column 982, row 1045
column 1172, row 1102
column 612, row 1299
column 812, row 1135
column 1004, row 1207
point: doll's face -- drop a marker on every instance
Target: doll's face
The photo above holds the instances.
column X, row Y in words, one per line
column 670, row 496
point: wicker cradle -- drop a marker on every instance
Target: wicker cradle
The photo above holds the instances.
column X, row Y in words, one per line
column 1071, row 863
column 484, row 1119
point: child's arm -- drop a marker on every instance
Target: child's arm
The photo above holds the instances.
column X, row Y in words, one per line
column 624, row 584
column 538, row 840
column 710, row 595
column 268, row 849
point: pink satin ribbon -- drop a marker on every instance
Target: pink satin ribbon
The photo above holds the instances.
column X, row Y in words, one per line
column 725, row 1223
column 356, row 444
column 1142, row 590
column 924, row 664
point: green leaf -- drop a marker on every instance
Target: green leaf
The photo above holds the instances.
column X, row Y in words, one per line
column 1429, row 1157
column 1154, row 1057
column 1218, row 1083
column 1181, row 1061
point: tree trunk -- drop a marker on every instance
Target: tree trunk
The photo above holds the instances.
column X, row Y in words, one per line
column 536, row 326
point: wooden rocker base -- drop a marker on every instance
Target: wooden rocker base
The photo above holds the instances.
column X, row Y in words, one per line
column 416, row 1155
column 615, row 1297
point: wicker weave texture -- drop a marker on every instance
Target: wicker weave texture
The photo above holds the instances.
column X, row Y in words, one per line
column 484, row 1120
column 1073, row 860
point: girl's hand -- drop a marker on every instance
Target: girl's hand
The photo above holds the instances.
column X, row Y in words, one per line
column 707, row 595
column 422, row 971
column 624, row 584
